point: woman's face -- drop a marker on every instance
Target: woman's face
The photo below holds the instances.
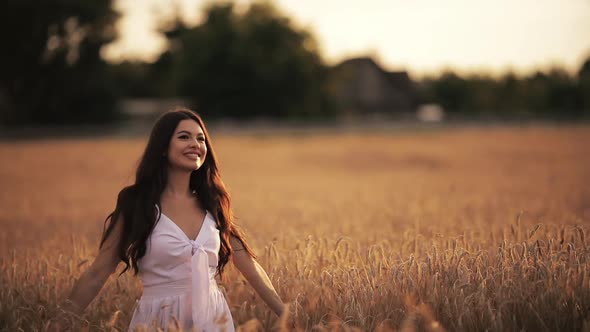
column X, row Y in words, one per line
column 187, row 148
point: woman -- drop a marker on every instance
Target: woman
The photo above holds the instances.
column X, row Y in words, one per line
column 174, row 228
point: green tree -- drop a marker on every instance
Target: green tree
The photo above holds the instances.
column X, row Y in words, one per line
column 449, row 90
column 584, row 87
column 554, row 94
column 247, row 65
column 51, row 67
column 132, row 79
column 509, row 98
column 562, row 97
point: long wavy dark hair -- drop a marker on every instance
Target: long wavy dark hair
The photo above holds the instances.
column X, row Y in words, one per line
column 136, row 204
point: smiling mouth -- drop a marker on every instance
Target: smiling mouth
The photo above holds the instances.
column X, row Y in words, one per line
column 193, row 156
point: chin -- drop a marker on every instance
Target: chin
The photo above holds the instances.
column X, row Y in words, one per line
column 187, row 167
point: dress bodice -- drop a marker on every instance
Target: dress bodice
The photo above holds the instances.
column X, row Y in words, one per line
column 178, row 276
column 169, row 251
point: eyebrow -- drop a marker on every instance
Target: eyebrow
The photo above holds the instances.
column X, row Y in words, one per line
column 188, row 132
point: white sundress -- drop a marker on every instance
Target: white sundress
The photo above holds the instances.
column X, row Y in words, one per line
column 178, row 276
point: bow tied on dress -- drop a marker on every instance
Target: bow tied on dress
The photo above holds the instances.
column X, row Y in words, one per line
column 195, row 246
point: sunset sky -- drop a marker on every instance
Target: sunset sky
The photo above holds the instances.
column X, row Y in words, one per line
column 421, row 36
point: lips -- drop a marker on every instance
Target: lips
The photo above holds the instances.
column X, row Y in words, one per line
column 193, row 155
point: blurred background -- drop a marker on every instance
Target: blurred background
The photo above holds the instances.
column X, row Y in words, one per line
column 427, row 150
column 98, row 62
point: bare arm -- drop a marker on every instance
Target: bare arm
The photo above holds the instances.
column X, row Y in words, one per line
column 256, row 276
column 94, row 278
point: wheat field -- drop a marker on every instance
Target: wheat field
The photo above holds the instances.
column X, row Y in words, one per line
column 465, row 229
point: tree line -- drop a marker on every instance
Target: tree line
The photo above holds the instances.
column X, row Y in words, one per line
column 233, row 65
column 554, row 94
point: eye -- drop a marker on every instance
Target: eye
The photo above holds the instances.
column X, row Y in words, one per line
column 183, row 136
column 201, row 139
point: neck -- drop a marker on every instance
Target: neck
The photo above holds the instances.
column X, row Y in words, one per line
column 178, row 183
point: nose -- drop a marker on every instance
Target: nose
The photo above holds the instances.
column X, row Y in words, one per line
column 194, row 142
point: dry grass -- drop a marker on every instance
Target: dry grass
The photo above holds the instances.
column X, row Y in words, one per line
column 463, row 230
